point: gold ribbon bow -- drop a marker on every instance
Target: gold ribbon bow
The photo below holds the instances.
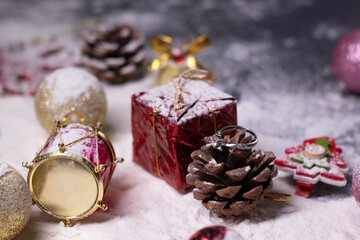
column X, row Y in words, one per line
column 181, row 55
column 165, row 45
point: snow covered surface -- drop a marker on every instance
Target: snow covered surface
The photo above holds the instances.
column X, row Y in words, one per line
column 143, row 206
column 278, row 68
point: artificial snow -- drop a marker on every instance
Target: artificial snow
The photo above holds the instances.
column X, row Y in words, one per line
column 4, row 168
column 232, row 235
column 71, row 83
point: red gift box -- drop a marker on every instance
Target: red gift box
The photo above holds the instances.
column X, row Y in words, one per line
column 169, row 122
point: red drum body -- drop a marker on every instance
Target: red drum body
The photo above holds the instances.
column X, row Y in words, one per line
column 69, row 176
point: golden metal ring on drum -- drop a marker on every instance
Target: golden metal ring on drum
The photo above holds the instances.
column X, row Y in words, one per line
column 54, row 176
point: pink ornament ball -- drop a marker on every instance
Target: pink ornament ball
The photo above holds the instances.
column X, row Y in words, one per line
column 356, row 183
column 216, row 233
column 346, row 61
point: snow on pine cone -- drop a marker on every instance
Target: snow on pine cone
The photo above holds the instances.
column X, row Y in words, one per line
column 231, row 182
column 113, row 53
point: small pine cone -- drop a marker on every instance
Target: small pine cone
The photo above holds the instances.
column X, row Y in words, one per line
column 114, row 54
column 231, row 182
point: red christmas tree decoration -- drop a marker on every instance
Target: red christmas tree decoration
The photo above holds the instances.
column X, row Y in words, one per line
column 317, row 159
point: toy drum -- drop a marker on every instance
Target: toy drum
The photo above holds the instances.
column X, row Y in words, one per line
column 69, row 176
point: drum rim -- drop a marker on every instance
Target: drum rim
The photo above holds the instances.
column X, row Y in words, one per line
column 86, row 164
column 112, row 153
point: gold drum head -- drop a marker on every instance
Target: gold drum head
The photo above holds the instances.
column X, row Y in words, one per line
column 65, row 185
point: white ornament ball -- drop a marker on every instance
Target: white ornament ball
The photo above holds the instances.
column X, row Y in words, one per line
column 15, row 202
column 71, row 92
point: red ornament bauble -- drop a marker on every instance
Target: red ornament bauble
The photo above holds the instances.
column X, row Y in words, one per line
column 216, row 233
column 356, row 183
column 346, row 61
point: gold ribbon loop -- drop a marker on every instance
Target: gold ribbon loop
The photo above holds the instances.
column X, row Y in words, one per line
column 73, row 112
column 195, row 74
column 279, row 197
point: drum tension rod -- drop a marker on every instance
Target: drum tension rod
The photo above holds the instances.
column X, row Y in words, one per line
column 68, row 223
column 61, row 147
column 99, row 168
column 103, row 206
column 26, row 165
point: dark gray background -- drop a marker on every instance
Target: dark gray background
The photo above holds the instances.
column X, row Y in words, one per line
column 273, row 55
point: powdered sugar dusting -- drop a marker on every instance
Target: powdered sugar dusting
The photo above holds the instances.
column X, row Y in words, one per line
column 71, row 83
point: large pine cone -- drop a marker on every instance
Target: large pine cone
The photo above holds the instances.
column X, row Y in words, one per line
column 114, row 54
column 231, row 182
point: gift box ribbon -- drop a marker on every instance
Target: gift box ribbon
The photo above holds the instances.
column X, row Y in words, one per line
column 179, row 103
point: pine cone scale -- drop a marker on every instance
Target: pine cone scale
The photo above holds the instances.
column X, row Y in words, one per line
column 239, row 135
column 268, row 158
column 268, row 187
column 127, row 71
column 198, row 155
column 237, row 159
column 115, row 63
column 215, row 168
column 216, row 205
column 256, row 158
column 228, row 192
column 253, row 193
column 200, row 195
column 217, row 155
column 206, row 187
column 239, row 205
column 247, row 139
column 273, row 170
column 138, row 58
column 94, row 64
column 237, row 175
column 193, row 168
column 262, row 176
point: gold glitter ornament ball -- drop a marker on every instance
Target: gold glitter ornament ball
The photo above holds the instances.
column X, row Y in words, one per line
column 73, row 93
column 15, row 202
